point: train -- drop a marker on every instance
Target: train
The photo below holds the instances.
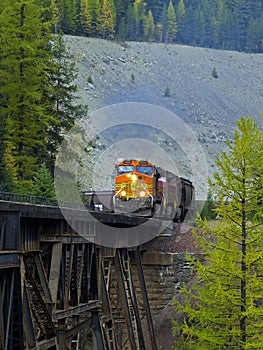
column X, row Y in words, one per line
column 146, row 189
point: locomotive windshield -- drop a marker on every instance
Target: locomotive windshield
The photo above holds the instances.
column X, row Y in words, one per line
column 123, row 169
column 147, row 170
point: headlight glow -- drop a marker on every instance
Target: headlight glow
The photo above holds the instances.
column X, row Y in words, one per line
column 134, row 177
column 123, row 193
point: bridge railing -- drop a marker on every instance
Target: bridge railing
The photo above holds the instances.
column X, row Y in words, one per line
column 90, row 199
column 26, row 198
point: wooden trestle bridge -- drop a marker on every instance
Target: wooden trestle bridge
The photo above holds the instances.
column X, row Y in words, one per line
column 57, row 288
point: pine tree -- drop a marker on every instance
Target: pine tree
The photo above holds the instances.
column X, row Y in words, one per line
column 171, row 23
column 222, row 26
column 24, row 57
column 208, row 212
column 149, row 27
column 162, row 25
column 131, row 26
column 83, row 16
column 139, row 12
column 181, row 21
column 94, row 18
column 223, row 309
column 43, row 183
column 63, row 97
column 67, row 18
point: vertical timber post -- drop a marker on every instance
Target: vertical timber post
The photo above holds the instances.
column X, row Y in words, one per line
column 145, row 298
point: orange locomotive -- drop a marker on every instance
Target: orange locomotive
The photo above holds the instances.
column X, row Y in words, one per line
column 143, row 187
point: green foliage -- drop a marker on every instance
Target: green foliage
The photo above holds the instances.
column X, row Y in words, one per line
column 24, row 57
column 208, row 212
column 63, row 96
column 167, row 92
column 214, row 73
column 67, row 16
column 171, row 23
column 149, row 27
column 90, row 80
column 108, row 19
column 43, row 183
column 223, row 308
column 37, row 90
column 181, row 21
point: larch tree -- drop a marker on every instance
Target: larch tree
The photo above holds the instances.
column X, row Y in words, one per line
column 108, row 19
column 94, row 17
column 6, row 181
column 223, row 307
column 24, row 56
column 83, row 16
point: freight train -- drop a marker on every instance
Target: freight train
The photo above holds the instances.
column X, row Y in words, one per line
column 141, row 187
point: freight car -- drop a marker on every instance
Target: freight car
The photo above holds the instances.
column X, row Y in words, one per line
column 141, row 187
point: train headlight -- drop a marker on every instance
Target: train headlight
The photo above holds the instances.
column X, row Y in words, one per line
column 123, row 193
column 142, row 194
column 134, row 177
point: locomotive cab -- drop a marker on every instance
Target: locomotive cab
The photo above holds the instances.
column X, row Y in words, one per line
column 134, row 186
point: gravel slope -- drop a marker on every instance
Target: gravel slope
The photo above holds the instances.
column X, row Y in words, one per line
column 141, row 72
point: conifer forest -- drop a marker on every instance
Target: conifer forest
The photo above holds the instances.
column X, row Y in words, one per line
column 220, row 24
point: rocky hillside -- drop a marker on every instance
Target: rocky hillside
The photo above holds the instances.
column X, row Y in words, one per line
column 208, row 89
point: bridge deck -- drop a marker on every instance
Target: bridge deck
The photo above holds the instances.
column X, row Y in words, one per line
column 55, row 285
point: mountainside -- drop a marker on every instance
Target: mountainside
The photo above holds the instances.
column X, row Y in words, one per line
column 179, row 78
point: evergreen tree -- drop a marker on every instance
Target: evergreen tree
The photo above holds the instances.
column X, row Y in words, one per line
column 108, row 18
column 162, row 25
column 171, row 23
column 67, row 18
column 181, row 21
column 24, row 56
column 6, row 181
column 94, row 18
column 83, row 16
column 121, row 7
column 222, row 26
column 131, row 24
column 156, row 6
column 43, row 183
column 223, row 309
column 139, row 13
column 208, row 212
column 149, row 27
column 63, row 96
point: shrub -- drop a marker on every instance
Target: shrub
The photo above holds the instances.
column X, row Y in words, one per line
column 167, row 92
column 214, row 73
